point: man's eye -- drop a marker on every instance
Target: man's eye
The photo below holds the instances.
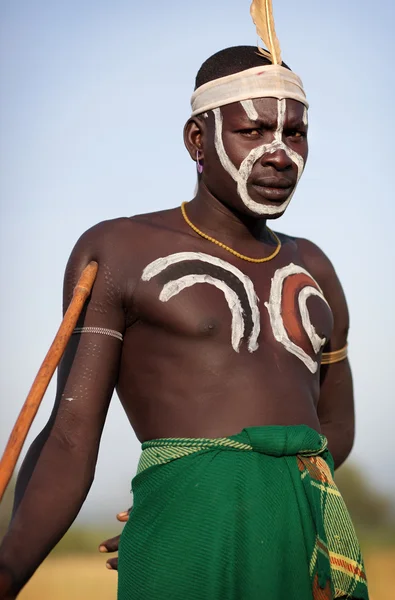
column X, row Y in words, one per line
column 251, row 132
column 296, row 134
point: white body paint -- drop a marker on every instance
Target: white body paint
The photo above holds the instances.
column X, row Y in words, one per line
column 276, row 320
column 174, row 287
column 316, row 341
column 305, row 121
column 242, row 174
column 250, row 109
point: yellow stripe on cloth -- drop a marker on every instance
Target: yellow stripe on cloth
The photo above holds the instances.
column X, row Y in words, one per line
column 164, row 450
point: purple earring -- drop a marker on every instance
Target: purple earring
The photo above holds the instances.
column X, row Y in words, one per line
column 198, row 164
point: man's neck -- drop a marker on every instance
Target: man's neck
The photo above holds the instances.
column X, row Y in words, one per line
column 219, row 220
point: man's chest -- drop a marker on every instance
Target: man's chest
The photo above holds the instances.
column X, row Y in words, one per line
column 198, row 294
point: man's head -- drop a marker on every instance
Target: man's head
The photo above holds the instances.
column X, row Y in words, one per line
column 230, row 61
column 249, row 129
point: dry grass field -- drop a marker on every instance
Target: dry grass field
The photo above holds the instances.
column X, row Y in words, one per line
column 78, row 577
column 83, row 577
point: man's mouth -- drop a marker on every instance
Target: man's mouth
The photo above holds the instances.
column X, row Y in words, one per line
column 272, row 189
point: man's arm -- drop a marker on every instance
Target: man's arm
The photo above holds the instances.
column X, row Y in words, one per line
column 336, row 402
column 59, row 467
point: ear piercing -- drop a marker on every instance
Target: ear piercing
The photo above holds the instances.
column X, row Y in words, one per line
column 198, row 164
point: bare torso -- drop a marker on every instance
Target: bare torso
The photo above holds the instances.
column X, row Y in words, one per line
column 179, row 374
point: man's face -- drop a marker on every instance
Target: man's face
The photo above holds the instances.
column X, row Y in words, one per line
column 254, row 154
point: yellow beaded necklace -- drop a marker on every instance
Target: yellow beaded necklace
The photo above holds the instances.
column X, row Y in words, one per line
column 234, row 252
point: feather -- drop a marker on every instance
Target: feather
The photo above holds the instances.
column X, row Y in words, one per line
column 262, row 15
column 265, row 53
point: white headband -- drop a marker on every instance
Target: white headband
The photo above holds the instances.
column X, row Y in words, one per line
column 268, row 81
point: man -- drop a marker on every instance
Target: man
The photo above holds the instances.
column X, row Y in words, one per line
column 212, row 328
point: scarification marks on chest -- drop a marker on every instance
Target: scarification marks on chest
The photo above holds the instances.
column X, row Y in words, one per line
column 185, row 269
column 291, row 324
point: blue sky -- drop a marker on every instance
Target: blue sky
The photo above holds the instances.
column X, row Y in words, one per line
column 94, row 96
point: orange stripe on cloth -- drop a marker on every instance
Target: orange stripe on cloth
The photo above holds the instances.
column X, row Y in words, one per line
column 346, row 565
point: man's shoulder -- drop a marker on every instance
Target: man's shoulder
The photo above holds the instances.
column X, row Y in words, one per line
column 130, row 227
column 312, row 258
column 162, row 219
column 312, row 253
column 107, row 229
column 321, row 268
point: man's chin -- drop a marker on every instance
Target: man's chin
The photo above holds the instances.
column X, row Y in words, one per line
column 269, row 217
column 269, row 209
column 275, row 215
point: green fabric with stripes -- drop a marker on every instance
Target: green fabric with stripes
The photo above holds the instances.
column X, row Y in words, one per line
column 250, row 517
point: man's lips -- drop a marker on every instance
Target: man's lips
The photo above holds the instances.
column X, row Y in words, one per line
column 273, row 189
column 273, row 182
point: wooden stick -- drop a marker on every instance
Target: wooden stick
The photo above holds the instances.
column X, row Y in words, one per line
column 44, row 375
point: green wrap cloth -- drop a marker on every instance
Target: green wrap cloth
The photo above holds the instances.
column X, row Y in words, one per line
column 255, row 516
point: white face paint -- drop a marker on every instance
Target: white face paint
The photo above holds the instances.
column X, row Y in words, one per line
column 274, row 307
column 242, row 174
column 174, row 287
column 219, row 146
column 305, row 120
column 250, row 109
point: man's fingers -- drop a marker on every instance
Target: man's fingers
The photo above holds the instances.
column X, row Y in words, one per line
column 110, row 545
column 112, row 564
column 124, row 516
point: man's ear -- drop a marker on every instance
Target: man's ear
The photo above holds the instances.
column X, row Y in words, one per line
column 194, row 132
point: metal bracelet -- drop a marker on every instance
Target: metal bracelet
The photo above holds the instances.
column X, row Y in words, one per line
column 101, row 330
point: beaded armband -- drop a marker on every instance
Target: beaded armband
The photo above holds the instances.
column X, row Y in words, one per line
column 101, row 330
column 328, row 358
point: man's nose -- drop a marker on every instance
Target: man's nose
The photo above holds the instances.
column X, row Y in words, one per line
column 278, row 159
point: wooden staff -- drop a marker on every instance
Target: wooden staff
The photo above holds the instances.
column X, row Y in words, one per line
column 44, row 375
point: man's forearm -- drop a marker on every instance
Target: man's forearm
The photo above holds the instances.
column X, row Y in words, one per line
column 340, row 441
column 28, row 466
column 336, row 409
column 50, row 495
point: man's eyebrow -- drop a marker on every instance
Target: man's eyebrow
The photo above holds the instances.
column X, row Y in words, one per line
column 261, row 121
column 295, row 121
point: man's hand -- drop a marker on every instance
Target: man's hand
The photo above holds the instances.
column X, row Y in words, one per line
column 110, row 545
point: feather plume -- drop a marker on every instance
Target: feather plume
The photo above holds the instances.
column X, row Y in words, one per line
column 262, row 15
